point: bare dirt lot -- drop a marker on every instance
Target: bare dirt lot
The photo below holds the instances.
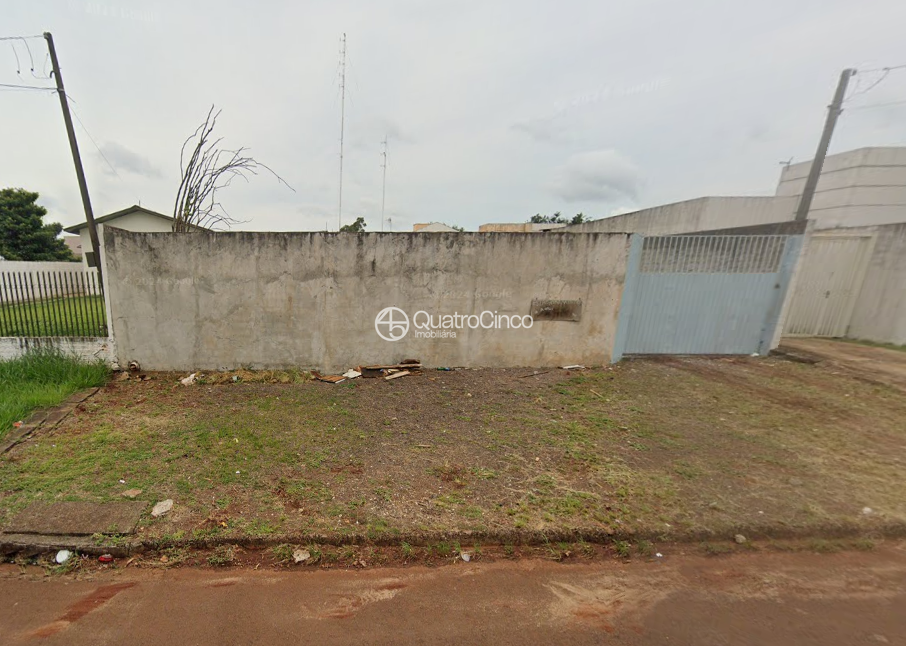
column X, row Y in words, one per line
column 884, row 364
column 671, row 448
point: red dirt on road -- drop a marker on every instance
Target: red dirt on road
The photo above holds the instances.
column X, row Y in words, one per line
column 759, row 598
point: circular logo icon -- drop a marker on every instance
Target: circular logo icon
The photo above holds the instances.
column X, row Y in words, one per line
column 391, row 324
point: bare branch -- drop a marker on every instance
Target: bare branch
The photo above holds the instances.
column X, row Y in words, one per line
column 209, row 169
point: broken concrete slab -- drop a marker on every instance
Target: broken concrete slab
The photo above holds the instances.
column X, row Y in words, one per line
column 40, row 543
column 77, row 518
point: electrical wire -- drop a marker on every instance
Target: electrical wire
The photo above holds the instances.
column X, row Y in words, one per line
column 100, row 152
column 20, row 37
column 884, row 73
column 27, row 87
column 876, row 105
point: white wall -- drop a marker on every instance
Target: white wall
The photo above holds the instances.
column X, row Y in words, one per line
column 701, row 214
column 861, row 187
column 85, row 348
column 880, row 312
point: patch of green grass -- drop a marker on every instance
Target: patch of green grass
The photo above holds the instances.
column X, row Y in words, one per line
column 221, row 556
column 282, row 553
column 40, row 379
column 623, row 548
column 71, row 316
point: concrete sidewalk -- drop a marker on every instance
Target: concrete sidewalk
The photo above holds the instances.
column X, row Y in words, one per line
column 769, row 598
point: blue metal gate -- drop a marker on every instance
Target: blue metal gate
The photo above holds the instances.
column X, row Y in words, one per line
column 704, row 294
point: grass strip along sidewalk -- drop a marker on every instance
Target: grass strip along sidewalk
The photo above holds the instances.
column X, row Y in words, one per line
column 42, row 379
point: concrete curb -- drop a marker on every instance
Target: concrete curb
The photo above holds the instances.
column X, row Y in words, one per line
column 518, row 537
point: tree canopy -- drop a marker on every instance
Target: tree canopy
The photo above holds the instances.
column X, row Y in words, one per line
column 356, row 227
column 556, row 218
column 23, row 233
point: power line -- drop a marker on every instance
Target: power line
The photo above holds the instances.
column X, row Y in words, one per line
column 884, row 69
column 342, row 128
column 876, row 105
column 884, row 74
column 20, row 37
column 384, row 181
column 27, row 87
column 85, row 130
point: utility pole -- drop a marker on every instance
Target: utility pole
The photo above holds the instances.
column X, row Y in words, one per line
column 384, row 181
column 342, row 126
column 76, row 159
column 833, row 111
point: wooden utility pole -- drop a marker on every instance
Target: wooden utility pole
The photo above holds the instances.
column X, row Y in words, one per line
column 76, row 158
column 833, row 111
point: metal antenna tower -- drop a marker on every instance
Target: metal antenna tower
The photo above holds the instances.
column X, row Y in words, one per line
column 342, row 126
column 384, row 181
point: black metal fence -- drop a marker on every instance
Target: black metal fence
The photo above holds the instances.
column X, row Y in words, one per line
column 51, row 303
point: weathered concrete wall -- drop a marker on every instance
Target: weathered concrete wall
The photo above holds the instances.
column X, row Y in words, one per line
column 701, row 214
column 860, row 187
column 880, row 312
column 84, row 347
column 268, row 300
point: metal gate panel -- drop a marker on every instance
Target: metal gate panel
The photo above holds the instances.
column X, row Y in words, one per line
column 704, row 294
column 828, row 284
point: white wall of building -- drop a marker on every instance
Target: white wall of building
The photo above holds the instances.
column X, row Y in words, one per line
column 863, row 187
column 880, row 311
column 701, row 214
column 136, row 221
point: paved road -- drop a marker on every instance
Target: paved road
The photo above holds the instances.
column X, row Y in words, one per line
column 777, row 598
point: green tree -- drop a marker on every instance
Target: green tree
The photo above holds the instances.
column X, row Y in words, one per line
column 557, row 218
column 356, row 227
column 23, row 234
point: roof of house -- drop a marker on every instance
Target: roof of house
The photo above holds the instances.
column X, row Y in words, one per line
column 434, row 227
column 118, row 214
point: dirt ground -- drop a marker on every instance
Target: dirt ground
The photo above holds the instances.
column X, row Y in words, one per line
column 648, row 449
column 880, row 364
column 761, row 598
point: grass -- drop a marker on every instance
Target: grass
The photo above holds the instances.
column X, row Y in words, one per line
column 71, row 316
column 41, row 379
column 729, row 443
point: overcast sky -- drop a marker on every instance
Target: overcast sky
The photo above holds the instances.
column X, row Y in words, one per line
column 494, row 111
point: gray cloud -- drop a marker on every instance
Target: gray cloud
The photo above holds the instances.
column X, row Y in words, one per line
column 596, row 176
column 123, row 159
column 481, row 101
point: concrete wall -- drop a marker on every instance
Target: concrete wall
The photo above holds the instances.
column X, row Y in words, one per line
column 86, row 348
column 701, row 214
column 269, row 300
column 880, row 312
column 861, row 187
